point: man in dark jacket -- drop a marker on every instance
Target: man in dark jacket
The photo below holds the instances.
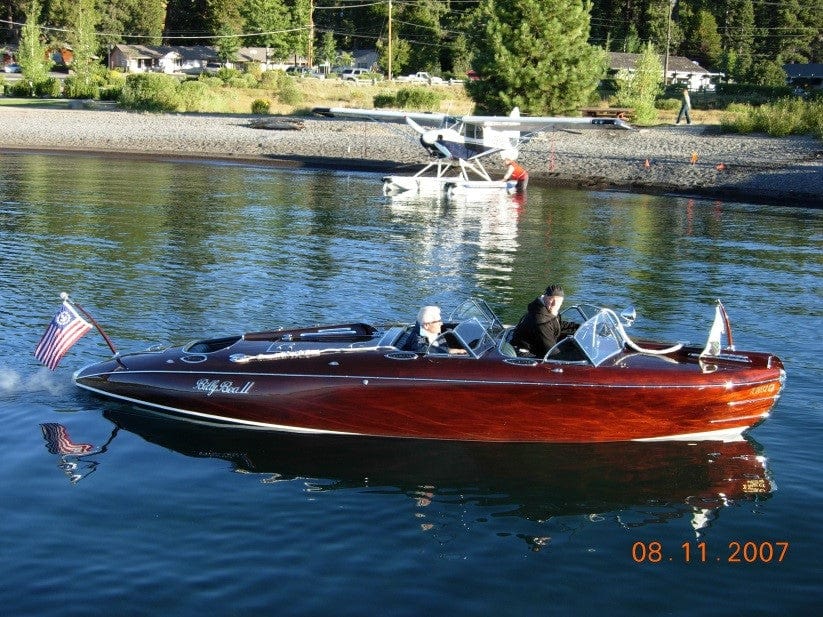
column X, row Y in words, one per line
column 540, row 328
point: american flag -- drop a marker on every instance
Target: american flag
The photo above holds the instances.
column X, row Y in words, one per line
column 58, row 440
column 65, row 329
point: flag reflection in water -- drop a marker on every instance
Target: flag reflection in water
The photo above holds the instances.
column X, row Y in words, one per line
column 73, row 456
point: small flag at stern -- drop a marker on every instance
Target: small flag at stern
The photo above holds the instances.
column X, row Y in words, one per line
column 66, row 328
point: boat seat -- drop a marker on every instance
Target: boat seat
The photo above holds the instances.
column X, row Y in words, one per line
column 408, row 339
column 507, row 349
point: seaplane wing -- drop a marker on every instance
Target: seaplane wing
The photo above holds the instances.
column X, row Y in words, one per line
column 386, row 115
column 513, row 122
column 535, row 124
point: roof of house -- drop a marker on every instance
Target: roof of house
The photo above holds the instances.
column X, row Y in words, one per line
column 252, row 54
column 194, row 52
column 677, row 64
column 803, row 70
column 202, row 53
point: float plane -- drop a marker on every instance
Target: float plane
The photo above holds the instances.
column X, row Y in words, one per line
column 459, row 143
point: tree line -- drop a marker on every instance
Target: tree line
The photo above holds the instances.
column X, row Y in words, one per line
column 748, row 40
column 544, row 56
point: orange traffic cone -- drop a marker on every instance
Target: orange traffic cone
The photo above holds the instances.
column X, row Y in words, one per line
column 694, row 157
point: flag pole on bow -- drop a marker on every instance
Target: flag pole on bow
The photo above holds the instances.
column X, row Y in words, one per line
column 65, row 297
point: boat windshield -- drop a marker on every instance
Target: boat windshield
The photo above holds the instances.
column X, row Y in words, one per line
column 599, row 338
column 579, row 313
column 468, row 339
column 474, row 308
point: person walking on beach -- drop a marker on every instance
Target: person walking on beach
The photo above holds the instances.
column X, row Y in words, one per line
column 685, row 107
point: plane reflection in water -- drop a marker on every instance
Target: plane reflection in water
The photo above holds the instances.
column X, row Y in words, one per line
column 530, row 481
column 486, row 227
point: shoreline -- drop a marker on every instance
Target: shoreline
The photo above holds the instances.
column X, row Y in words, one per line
column 658, row 160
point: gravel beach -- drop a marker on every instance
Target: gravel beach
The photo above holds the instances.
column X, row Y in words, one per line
column 685, row 159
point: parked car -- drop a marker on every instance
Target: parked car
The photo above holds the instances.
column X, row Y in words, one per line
column 12, row 67
column 421, row 77
column 302, row 71
column 354, row 74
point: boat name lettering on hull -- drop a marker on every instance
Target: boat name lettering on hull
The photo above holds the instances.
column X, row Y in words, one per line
column 210, row 386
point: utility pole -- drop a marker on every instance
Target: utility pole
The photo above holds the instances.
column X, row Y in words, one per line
column 311, row 35
column 389, row 75
column 668, row 40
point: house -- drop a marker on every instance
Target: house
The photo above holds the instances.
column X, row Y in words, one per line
column 365, row 58
column 180, row 58
column 261, row 56
column 806, row 76
column 145, row 58
column 681, row 70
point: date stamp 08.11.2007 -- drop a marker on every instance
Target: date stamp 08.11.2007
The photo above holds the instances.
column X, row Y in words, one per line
column 736, row 551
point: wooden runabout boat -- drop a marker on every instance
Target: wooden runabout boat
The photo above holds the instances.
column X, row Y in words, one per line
column 597, row 385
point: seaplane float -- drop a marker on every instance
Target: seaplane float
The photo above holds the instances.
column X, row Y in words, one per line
column 356, row 379
column 459, row 144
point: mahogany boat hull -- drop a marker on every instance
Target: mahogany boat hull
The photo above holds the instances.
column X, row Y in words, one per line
column 493, row 398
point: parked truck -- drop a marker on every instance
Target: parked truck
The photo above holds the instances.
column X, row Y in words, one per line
column 421, row 77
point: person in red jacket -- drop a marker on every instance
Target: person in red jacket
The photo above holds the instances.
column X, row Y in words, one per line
column 517, row 173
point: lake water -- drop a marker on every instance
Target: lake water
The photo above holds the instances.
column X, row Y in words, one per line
column 161, row 518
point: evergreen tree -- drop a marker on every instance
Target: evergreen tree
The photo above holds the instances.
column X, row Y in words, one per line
column 327, row 50
column 639, row 88
column 456, row 57
column 227, row 43
column 534, row 54
column 84, row 44
column 738, row 39
column 113, row 17
column 768, row 73
column 400, row 52
column 145, row 19
column 419, row 24
column 272, row 20
column 298, row 39
column 661, row 25
column 702, row 41
column 188, row 18
column 793, row 28
column 226, row 24
column 31, row 53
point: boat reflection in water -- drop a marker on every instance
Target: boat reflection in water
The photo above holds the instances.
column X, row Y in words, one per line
column 531, row 481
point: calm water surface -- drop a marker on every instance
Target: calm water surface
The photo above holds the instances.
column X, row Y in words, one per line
column 165, row 518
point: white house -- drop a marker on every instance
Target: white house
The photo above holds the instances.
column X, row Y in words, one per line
column 179, row 58
column 682, row 71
